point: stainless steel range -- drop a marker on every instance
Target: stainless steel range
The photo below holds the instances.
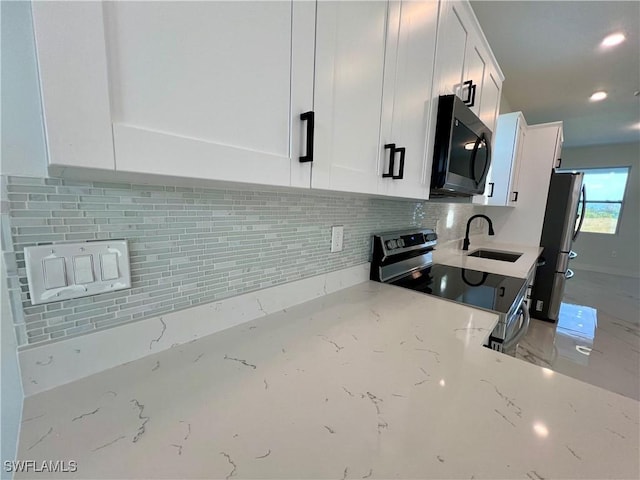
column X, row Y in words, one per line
column 405, row 258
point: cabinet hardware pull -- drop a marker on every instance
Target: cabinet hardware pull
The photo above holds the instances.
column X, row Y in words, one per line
column 559, row 163
column 309, row 117
column 491, row 185
column 502, row 291
column 400, row 175
column 471, row 98
column 392, row 151
column 515, row 197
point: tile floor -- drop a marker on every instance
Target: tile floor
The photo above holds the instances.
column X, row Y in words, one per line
column 597, row 338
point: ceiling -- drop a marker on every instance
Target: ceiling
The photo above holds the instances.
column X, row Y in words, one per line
column 550, row 54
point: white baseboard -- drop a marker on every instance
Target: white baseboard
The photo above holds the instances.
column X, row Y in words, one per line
column 56, row 364
column 603, row 269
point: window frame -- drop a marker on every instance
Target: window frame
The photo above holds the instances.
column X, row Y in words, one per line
column 622, row 202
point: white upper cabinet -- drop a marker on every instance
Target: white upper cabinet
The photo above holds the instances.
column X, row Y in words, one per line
column 491, row 92
column 504, row 175
column 539, row 154
column 350, row 48
column 209, row 90
column 523, row 158
column 452, row 46
column 373, row 96
column 408, row 98
column 465, row 65
column 474, row 72
column 242, row 91
column 72, row 64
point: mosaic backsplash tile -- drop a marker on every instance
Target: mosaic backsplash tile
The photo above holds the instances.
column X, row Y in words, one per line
column 190, row 246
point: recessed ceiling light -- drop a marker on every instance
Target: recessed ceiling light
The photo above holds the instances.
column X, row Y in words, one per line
column 613, row 39
column 597, row 96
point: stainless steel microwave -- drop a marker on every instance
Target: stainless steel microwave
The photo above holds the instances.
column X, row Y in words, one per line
column 462, row 150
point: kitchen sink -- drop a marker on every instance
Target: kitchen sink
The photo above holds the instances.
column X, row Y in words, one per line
column 496, row 255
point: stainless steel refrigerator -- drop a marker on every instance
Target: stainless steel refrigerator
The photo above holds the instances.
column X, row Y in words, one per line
column 562, row 222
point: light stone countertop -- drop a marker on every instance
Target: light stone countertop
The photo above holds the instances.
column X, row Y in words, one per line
column 373, row 381
column 452, row 254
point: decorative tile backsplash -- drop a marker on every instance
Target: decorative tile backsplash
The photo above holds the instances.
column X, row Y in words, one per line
column 190, row 246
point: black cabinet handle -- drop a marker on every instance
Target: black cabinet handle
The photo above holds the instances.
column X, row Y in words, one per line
column 501, row 290
column 392, row 152
column 491, row 185
column 515, row 197
column 471, row 98
column 309, row 117
column 559, row 163
column 400, row 175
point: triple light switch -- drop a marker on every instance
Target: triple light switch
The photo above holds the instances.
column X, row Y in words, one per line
column 71, row 270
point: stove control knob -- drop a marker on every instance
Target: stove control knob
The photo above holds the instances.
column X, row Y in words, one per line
column 391, row 244
column 400, row 243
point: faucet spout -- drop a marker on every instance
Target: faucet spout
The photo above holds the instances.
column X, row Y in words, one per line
column 466, row 242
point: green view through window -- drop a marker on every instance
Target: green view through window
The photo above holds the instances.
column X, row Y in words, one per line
column 605, row 188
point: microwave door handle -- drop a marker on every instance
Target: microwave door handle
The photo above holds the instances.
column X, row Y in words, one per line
column 481, row 139
column 583, row 211
column 485, row 172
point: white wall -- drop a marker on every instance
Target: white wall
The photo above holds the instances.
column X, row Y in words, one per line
column 505, row 106
column 23, row 146
column 595, row 249
column 12, row 395
column 22, row 153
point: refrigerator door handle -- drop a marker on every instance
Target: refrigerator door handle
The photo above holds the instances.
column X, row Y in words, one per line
column 562, row 262
column 569, row 274
column 583, row 210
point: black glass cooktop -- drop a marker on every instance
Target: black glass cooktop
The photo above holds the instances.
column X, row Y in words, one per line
column 471, row 287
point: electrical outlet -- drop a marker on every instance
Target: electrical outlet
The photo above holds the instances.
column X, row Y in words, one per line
column 337, row 238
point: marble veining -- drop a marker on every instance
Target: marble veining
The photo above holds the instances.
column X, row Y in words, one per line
column 48, row 366
column 328, row 389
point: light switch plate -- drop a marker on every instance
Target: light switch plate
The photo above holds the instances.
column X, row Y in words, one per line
column 71, row 270
column 337, row 238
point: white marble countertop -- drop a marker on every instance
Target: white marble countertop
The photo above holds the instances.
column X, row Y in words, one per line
column 373, row 381
column 453, row 255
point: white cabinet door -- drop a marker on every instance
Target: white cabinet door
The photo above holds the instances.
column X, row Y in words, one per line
column 350, row 49
column 502, row 181
column 536, row 164
column 490, row 101
column 474, row 72
column 464, row 56
column 74, row 86
column 514, row 189
column 196, row 89
column 452, row 46
column 202, row 89
column 408, row 96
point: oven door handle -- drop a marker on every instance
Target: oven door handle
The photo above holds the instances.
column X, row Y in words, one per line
column 513, row 341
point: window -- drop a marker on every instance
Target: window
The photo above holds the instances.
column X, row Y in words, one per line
column 605, row 188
